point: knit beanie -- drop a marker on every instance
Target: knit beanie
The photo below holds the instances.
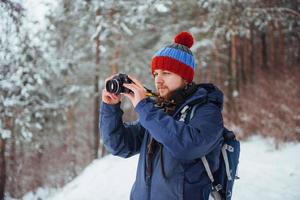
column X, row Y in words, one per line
column 176, row 57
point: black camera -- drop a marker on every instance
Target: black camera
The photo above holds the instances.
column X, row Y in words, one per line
column 115, row 85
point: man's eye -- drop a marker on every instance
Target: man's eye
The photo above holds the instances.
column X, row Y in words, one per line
column 155, row 74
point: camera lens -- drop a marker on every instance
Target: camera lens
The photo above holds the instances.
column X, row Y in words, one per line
column 113, row 86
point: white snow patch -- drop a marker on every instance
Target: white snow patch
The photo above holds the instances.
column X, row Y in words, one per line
column 267, row 173
column 161, row 8
column 105, row 179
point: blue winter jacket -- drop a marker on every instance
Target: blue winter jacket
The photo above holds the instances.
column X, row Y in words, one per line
column 184, row 143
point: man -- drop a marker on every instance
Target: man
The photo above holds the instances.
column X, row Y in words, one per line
column 169, row 143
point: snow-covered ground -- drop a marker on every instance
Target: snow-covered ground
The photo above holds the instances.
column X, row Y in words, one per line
column 265, row 173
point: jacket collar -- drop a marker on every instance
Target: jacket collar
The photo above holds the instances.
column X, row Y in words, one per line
column 208, row 92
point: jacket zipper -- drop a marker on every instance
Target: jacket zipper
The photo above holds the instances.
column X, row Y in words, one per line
column 148, row 181
column 148, row 176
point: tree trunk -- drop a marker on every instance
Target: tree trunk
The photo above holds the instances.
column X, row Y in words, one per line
column 281, row 49
column 8, row 125
column 2, row 168
column 115, row 57
column 244, row 61
column 264, row 47
column 198, row 71
column 97, row 96
column 252, row 55
column 233, row 63
column 216, row 73
column 229, row 81
column 232, row 75
column 272, row 48
column 12, row 162
column 97, row 99
column 71, row 139
column 238, row 64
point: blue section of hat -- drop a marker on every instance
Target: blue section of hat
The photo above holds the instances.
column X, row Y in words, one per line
column 179, row 55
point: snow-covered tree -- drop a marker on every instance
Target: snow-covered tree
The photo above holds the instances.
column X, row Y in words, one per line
column 32, row 91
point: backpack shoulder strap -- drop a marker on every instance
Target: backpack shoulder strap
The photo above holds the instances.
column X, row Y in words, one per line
column 194, row 106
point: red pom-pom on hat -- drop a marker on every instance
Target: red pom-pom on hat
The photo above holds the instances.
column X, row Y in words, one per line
column 185, row 39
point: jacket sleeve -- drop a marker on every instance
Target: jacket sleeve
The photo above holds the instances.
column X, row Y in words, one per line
column 121, row 139
column 183, row 141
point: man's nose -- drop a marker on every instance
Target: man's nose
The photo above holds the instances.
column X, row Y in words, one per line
column 158, row 78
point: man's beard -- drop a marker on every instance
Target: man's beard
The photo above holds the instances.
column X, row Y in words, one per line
column 180, row 94
column 166, row 92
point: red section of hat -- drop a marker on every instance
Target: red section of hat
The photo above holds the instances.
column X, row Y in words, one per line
column 175, row 66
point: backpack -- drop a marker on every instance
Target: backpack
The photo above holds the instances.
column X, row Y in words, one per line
column 223, row 178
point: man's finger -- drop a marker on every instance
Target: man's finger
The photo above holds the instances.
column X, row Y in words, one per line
column 131, row 86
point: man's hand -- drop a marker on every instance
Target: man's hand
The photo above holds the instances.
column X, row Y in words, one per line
column 110, row 98
column 138, row 91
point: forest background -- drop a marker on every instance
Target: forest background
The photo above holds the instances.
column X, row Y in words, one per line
column 53, row 66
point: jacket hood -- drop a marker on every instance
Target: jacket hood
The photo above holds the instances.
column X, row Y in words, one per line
column 209, row 91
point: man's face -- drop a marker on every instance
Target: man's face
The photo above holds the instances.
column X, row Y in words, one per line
column 166, row 82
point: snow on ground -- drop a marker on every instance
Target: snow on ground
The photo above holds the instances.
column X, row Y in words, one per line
column 107, row 179
column 265, row 173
